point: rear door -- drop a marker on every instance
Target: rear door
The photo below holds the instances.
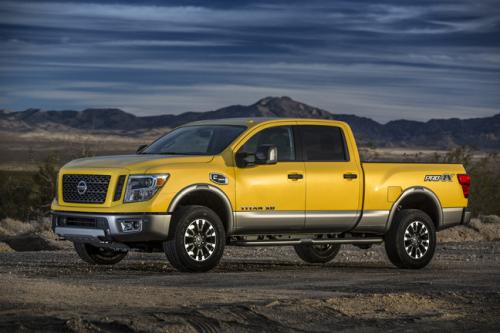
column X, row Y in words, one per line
column 333, row 179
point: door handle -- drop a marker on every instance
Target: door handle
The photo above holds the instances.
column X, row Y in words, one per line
column 350, row 176
column 295, row 176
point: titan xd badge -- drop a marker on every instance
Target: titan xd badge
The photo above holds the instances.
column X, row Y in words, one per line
column 218, row 178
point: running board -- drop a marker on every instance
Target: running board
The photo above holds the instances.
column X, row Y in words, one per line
column 367, row 240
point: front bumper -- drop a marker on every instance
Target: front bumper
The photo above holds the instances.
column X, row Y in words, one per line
column 107, row 228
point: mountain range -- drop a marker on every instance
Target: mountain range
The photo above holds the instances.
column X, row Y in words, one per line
column 481, row 133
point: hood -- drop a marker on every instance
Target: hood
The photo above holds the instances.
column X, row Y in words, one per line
column 136, row 163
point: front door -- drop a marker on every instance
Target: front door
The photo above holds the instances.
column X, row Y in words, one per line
column 271, row 198
column 334, row 183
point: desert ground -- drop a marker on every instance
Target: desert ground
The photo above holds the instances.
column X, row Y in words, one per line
column 256, row 289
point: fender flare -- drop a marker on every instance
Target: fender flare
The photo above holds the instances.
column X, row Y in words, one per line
column 205, row 187
column 415, row 190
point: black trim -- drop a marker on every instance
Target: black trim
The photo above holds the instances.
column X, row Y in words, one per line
column 66, row 212
column 297, row 141
column 119, row 188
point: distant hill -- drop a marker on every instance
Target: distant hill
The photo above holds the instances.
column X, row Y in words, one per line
column 482, row 133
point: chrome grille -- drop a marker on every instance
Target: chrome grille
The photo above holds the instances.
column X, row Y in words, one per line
column 85, row 188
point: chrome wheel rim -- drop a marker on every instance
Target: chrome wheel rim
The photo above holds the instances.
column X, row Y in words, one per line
column 200, row 239
column 416, row 240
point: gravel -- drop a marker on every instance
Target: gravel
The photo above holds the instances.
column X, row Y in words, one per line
column 253, row 289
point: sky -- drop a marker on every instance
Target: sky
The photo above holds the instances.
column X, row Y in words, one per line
column 384, row 60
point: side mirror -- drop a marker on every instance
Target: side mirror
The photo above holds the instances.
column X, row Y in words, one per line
column 266, row 154
column 140, row 149
column 245, row 159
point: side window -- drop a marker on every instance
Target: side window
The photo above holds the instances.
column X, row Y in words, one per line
column 280, row 136
column 323, row 143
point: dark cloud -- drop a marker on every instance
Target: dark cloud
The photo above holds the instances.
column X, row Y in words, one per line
column 385, row 60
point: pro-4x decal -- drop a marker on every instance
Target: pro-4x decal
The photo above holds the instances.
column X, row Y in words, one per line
column 438, row 178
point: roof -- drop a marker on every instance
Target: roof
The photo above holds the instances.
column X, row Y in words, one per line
column 250, row 121
column 247, row 122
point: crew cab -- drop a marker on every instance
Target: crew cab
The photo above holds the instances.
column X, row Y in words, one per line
column 255, row 182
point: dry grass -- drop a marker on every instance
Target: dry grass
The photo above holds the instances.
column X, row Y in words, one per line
column 10, row 227
column 28, row 236
column 5, row 248
column 486, row 228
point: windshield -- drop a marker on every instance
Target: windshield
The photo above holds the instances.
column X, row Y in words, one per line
column 195, row 140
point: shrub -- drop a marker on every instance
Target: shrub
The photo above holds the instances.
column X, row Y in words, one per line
column 485, row 178
column 27, row 196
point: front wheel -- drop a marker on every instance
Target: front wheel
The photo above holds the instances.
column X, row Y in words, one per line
column 411, row 240
column 98, row 255
column 196, row 241
column 317, row 254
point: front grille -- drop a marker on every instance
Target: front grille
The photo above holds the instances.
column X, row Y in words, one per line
column 85, row 188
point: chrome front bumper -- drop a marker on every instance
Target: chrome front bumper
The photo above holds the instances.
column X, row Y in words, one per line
column 107, row 228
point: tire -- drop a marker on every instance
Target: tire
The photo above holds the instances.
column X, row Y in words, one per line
column 196, row 239
column 411, row 240
column 317, row 254
column 98, row 255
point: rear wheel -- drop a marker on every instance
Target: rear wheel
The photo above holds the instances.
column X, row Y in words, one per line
column 98, row 255
column 196, row 241
column 317, row 253
column 411, row 240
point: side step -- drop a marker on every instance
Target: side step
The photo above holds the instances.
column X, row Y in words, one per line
column 366, row 240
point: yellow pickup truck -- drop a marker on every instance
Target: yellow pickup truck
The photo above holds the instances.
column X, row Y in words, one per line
column 255, row 182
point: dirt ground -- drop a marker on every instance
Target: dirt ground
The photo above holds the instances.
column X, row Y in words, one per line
column 253, row 289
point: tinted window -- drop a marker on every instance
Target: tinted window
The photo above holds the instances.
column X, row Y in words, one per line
column 280, row 136
column 195, row 140
column 323, row 143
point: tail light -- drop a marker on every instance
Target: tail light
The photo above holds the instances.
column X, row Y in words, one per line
column 464, row 180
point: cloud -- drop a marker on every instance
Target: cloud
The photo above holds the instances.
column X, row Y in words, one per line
column 384, row 60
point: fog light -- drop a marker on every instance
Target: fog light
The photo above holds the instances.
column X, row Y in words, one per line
column 131, row 225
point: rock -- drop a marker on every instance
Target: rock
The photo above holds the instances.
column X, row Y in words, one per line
column 5, row 248
column 32, row 243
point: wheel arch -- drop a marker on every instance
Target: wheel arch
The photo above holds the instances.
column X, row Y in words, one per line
column 209, row 196
column 421, row 198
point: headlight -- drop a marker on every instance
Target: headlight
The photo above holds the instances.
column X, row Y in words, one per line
column 143, row 187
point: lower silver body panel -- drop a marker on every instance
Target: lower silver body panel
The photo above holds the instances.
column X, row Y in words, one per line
column 454, row 216
column 261, row 222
